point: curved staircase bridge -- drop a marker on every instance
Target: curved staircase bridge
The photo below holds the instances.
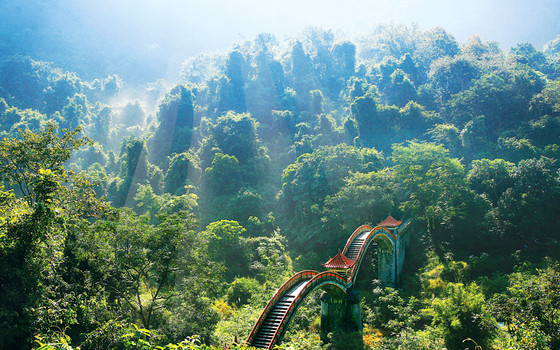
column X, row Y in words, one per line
column 280, row 309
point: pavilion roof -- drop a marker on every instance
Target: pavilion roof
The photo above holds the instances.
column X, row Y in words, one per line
column 339, row 261
column 390, row 222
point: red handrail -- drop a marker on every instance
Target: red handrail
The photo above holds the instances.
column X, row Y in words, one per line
column 311, row 283
column 359, row 258
column 356, row 232
column 314, row 276
column 277, row 295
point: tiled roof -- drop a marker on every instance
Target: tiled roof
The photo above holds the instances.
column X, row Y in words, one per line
column 339, row 262
column 390, row 222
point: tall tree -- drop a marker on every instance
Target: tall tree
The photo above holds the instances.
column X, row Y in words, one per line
column 34, row 229
column 24, row 161
column 176, row 121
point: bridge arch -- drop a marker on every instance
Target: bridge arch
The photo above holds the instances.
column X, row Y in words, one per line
column 281, row 308
column 279, row 311
column 358, row 244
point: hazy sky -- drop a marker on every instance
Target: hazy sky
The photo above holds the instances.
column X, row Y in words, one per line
column 218, row 23
column 87, row 31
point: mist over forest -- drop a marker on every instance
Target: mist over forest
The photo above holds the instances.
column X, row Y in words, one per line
column 143, row 41
column 168, row 166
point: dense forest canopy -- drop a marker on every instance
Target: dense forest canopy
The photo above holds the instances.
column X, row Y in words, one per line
column 170, row 216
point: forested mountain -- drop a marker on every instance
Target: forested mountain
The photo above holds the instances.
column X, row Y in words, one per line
column 132, row 217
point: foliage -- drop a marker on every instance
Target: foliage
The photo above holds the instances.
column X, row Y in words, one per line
column 24, row 161
column 175, row 123
column 364, row 198
column 276, row 150
column 241, row 290
column 224, row 244
column 313, row 178
column 388, row 310
column 462, row 314
column 529, row 308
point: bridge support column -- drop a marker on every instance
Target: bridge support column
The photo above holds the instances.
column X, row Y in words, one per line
column 386, row 267
column 341, row 315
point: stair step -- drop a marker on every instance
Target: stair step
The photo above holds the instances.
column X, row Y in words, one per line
column 273, row 322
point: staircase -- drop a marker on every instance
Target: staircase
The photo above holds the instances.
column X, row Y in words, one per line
column 356, row 246
column 271, row 324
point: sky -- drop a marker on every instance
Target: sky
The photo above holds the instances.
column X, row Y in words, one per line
column 173, row 30
column 219, row 23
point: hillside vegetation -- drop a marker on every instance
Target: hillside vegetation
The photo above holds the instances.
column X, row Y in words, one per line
column 138, row 216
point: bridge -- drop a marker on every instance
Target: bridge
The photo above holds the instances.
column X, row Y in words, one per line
column 340, row 308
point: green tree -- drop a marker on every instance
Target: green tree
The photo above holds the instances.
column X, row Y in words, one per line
column 23, row 81
column 552, row 48
column 547, row 102
column 175, row 125
column 245, row 204
column 413, row 122
column 439, row 196
column 402, row 90
column 180, row 170
column 524, row 208
column 448, row 136
column 364, row 198
column 60, row 91
column 504, row 101
column 236, row 74
column 389, row 310
column 132, row 114
column 224, row 245
column 392, row 39
column 146, row 201
column 431, row 176
column 135, row 170
column 74, row 113
column 462, row 314
column 491, row 177
column 436, row 43
column 307, row 183
column 224, row 176
column 269, row 260
column 34, row 232
column 372, row 122
column 526, row 53
column 345, row 59
column 241, row 290
column 476, row 139
column 235, row 135
column 452, row 75
column 530, row 306
column 267, row 85
column 305, row 77
column 148, row 270
column 24, row 160
column 101, row 125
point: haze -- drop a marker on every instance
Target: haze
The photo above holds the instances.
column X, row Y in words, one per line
column 98, row 33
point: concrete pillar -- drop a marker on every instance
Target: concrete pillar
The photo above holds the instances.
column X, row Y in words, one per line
column 341, row 315
column 353, row 312
column 386, row 266
column 400, row 249
column 332, row 314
